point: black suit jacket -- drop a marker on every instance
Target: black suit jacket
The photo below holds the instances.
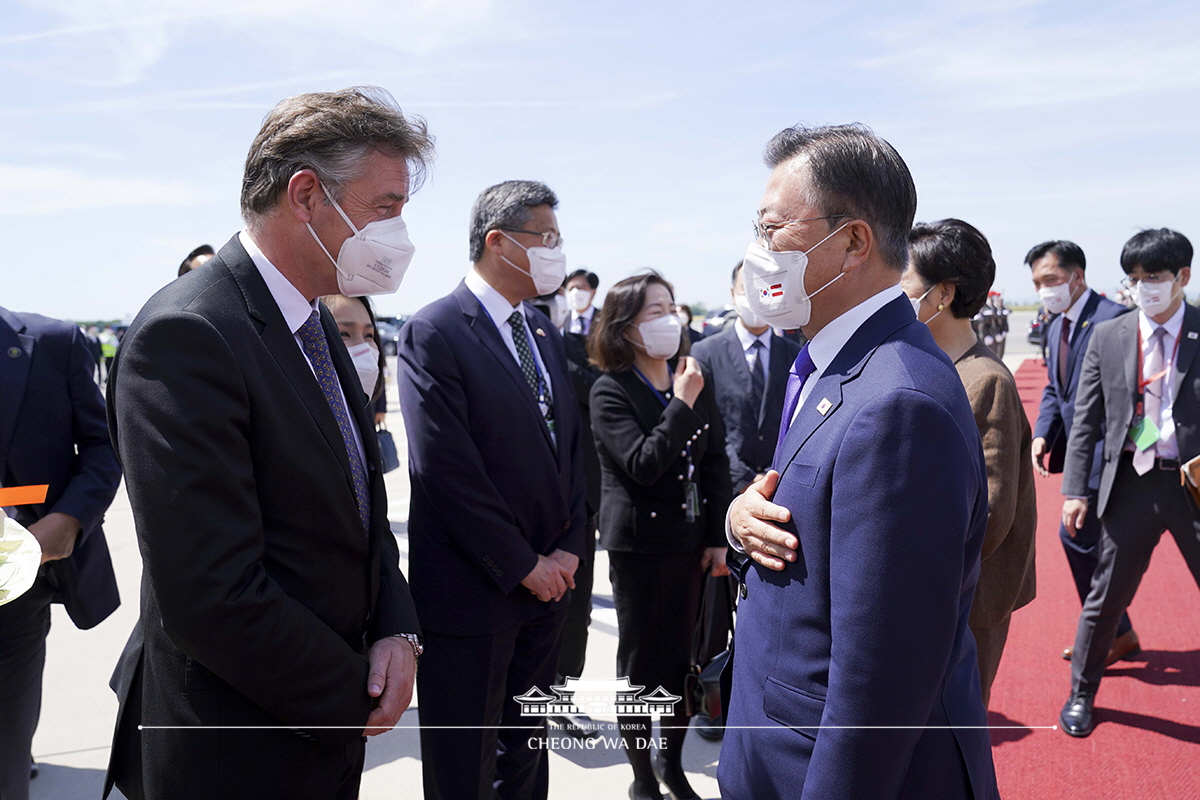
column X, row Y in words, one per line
column 749, row 438
column 1106, row 396
column 260, row 589
column 52, row 431
column 490, row 490
column 583, row 375
column 642, row 448
column 1057, row 410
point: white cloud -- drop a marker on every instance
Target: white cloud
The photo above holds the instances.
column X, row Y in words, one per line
column 31, row 190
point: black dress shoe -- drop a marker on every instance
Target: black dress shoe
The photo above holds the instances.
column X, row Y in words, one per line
column 712, row 730
column 577, row 725
column 642, row 791
column 1076, row 716
column 33, row 768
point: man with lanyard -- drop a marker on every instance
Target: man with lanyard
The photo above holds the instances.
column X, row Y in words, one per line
column 1141, row 382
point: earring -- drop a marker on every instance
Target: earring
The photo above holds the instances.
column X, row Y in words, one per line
column 941, row 306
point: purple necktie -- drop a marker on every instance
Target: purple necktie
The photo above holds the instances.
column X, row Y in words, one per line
column 317, row 349
column 802, row 367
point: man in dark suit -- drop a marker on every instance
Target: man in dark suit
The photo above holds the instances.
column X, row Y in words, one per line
column 273, row 614
column 1058, row 276
column 854, row 670
column 52, row 431
column 1139, row 391
column 749, row 366
column 498, row 510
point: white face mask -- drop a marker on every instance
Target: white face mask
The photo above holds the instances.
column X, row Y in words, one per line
column 684, row 319
column 749, row 318
column 1057, row 299
column 366, row 361
column 661, row 337
column 579, row 299
column 547, row 267
column 775, row 284
column 374, row 259
column 1154, row 298
column 558, row 310
column 916, row 304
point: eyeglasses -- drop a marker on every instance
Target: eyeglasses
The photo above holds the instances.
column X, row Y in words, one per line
column 1155, row 279
column 550, row 239
column 763, row 231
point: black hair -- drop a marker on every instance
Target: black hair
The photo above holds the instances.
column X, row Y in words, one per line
column 736, row 269
column 1070, row 255
column 1156, row 250
column 954, row 252
column 593, row 280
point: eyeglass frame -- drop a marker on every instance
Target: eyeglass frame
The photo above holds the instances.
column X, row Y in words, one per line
column 555, row 236
column 1129, row 284
column 764, row 232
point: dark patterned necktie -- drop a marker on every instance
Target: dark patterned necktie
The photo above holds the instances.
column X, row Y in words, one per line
column 1064, row 347
column 802, row 367
column 757, row 382
column 529, row 366
column 312, row 336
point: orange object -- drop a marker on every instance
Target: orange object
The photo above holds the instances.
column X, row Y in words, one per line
column 23, row 495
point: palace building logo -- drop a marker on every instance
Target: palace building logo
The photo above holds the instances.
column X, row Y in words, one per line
column 597, row 698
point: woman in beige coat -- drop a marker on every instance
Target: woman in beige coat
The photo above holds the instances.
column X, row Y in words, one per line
column 950, row 272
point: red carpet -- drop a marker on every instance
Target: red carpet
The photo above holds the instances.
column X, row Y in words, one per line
column 1147, row 739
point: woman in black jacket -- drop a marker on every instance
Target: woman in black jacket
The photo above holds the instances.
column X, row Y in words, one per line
column 665, row 488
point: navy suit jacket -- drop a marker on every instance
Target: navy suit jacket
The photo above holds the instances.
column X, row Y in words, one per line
column 490, row 490
column 1058, row 399
column 50, row 408
column 887, row 489
column 749, row 437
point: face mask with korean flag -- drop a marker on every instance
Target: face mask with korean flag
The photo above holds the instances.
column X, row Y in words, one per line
column 775, row 284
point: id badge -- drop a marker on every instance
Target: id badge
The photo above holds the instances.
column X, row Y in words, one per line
column 1144, row 434
column 691, row 496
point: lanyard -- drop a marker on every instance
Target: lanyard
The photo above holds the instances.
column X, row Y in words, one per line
column 662, row 398
column 1143, row 383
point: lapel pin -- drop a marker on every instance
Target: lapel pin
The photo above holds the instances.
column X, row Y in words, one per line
column 15, row 352
column 539, row 332
column 824, row 406
column 1086, row 322
column 1193, row 335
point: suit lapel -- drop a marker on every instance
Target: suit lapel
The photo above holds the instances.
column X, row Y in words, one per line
column 14, row 373
column 1187, row 347
column 281, row 342
column 827, row 394
column 1129, row 346
column 1075, row 353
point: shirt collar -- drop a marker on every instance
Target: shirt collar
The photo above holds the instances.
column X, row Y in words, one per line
column 748, row 339
column 585, row 314
column 295, row 308
column 1174, row 325
column 830, row 340
column 1076, row 310
column 494, row 303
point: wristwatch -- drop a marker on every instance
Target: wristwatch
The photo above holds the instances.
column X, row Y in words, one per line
column 415, row 641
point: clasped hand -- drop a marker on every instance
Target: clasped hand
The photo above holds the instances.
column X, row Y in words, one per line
column 552, row 576
column 393, row 670
column 754, row 521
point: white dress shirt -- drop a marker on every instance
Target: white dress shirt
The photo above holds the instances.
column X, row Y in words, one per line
column 748, row 339
column 1076, row 311
column 296, row 310
column 499, row 309
column 581, row 321
column 1167, row 446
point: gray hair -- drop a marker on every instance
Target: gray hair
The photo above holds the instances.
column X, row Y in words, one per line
column 855, row 173
column 330, row 133
column 506, row 205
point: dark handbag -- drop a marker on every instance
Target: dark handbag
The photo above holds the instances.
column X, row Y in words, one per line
column 387, row 448
column 710, row 647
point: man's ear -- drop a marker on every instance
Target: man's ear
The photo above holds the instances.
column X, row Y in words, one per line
column 304, row 194
column 860, row 243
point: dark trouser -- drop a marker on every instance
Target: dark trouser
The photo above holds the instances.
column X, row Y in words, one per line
column 1083, row 556
column 579, row 611
column 470, row 681
column 989, row 646
column 1139, row 509
column 24, row 625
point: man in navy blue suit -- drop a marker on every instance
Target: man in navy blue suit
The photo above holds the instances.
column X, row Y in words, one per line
column 1057, row 269
column 52, row 431
column 854, row 669
column 497, row 518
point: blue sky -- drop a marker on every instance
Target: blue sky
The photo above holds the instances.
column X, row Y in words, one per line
column 124, row 124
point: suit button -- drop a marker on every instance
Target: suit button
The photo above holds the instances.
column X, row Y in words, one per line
column 653, row 515
column 680, row 477
column 683, row 453
column 742, row 590
column 760, row 438
column 706, row 426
